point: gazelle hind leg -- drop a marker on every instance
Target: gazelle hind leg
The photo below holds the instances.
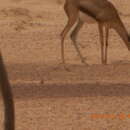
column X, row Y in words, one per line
column 72, row 18
column 76, row 30
column 74, row 37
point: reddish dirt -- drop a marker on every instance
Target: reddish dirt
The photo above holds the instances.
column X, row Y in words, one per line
column 46, row 96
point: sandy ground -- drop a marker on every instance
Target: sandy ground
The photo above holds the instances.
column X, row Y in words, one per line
column 46, row 96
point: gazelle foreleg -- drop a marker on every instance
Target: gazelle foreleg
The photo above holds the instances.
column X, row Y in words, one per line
column 106, row 43
column 101, row 41
column 6, row 90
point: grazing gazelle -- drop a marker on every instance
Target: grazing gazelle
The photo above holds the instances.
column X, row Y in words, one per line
column 9, row 123
column 101, row 12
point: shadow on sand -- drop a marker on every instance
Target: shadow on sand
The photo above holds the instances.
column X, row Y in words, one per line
column 25, row 91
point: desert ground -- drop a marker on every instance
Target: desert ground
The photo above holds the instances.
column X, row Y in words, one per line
column 47, row 97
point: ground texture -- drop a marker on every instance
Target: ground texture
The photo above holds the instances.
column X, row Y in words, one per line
column 94, row 97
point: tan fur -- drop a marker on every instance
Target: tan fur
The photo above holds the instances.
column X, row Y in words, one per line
column 86, row 18
column 101, row 12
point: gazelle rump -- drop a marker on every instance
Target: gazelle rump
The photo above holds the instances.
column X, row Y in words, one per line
column 9, row 114
column 101, row 12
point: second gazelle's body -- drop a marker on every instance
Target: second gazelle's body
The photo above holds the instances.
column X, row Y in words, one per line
column 101, row 12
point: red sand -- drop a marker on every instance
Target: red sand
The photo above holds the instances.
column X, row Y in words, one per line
column 46, row 96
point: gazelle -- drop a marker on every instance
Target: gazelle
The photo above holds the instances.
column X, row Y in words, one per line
column 9, row 123
column 101, row 12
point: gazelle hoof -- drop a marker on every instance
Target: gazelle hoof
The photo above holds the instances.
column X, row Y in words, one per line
column 83, row 61
column 104, row 63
